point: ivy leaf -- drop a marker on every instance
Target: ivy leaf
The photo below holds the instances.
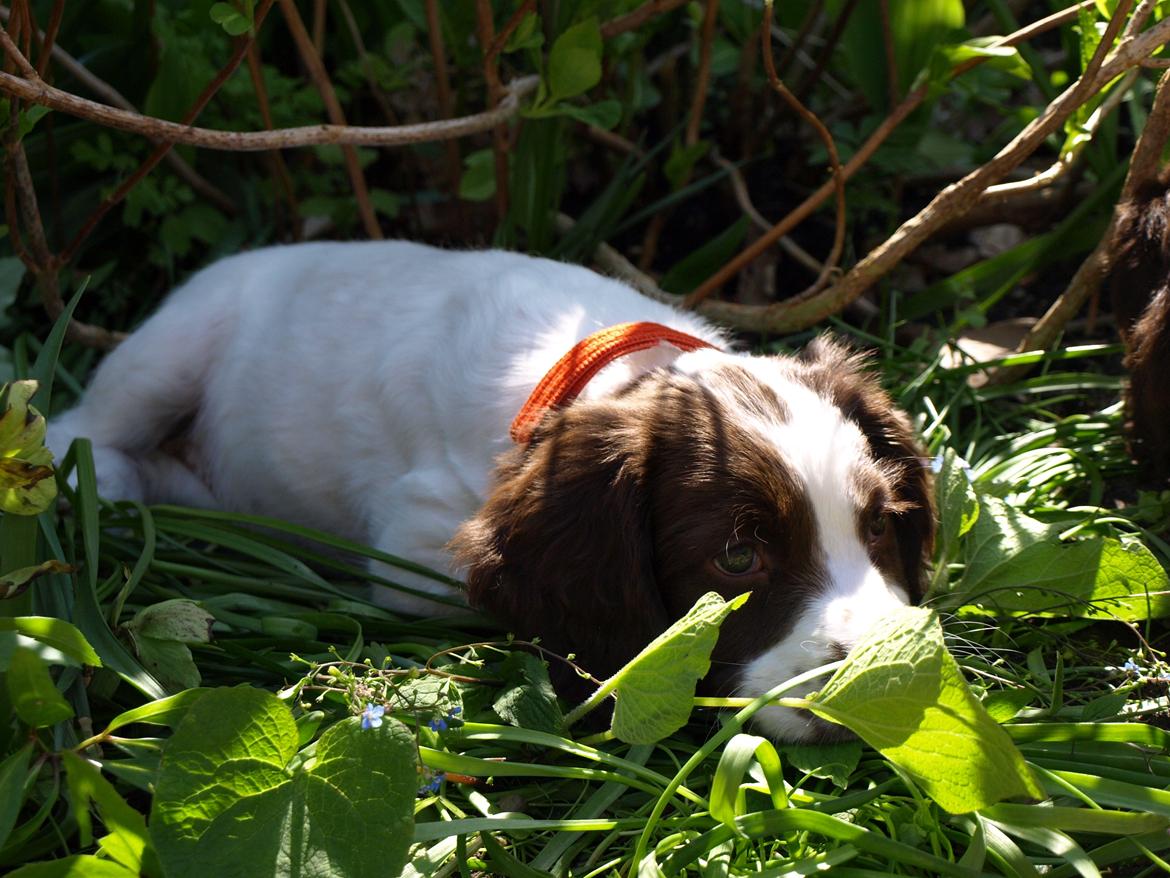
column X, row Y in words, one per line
column 234, row 800
column 903, row 694
column 655, row 690
column 574, row 64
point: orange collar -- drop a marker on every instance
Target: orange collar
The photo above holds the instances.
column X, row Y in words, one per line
column 572, row 372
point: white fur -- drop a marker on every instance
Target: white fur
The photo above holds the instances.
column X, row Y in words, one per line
column 367, row 388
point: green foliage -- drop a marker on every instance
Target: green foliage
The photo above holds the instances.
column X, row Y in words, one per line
column 902, row 692
column 234, row 797
column 654, row 690
column 104, row 610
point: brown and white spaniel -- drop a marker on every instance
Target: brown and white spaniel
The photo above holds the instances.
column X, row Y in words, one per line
column 367, row 389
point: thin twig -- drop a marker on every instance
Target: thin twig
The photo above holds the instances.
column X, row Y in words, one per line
column 744, row 199
column 835, row 170
column 635, row 19
column 694, row 126
column 49, row 37
column 703, row 74
column 1144, row 166
column 443, row 92
column 954, row 200
column 324, row 86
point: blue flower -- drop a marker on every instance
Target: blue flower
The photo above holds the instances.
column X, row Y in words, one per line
column 936, row 464
column 433, row 786
column 372, row 715
column 439, row 723
column 1131, row 667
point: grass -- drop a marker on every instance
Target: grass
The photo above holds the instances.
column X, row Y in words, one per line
column 521, row 801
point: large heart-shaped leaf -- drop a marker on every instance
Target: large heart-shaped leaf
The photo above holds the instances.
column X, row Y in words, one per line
column 235, row 799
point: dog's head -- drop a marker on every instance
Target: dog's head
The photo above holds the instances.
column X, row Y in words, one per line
column 792, row 478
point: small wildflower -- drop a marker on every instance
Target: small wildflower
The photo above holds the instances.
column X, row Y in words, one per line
column 431, row 786
column 440, row 723
column 372, row 715
column 936, row 464
column 1131, row 667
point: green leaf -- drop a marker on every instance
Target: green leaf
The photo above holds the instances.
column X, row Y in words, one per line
column 167, row 711
column 13, row 771
column 56, row 633
column 603, row 114
column 230, row 19
column 727, row 799
column 27, row 486
column 681, row 163
column 835, row 762
column 35, row 697
column 127, row 839
column 1018, row 564
column 179, row 619
column 654, row 691
column 478, row 182
column 74, row 867
column 958, row 505
column 12, row 583
column 902, row 693
column 574, row 64
column 230, row 803
column 169, row 661
column 528, row 700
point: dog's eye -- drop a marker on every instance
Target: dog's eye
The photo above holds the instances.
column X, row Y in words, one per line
column 738, row 560
column 878, row 523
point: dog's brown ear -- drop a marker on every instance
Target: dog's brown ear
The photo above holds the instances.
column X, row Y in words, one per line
column 562, row 548
column 842, row 376
column 1140, row 288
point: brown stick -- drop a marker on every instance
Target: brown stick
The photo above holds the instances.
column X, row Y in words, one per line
column 50, row 37
column 634, row 20
column 443, row 92
column 491, row 75
column 258, row 141
column 324, row 86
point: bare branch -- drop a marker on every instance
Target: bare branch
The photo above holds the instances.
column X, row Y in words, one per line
column 39, row 92
column 324, row 86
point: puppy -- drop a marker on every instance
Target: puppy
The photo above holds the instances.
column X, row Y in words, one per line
column 368, row 389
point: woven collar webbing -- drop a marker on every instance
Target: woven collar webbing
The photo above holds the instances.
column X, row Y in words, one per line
column 572, row 372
